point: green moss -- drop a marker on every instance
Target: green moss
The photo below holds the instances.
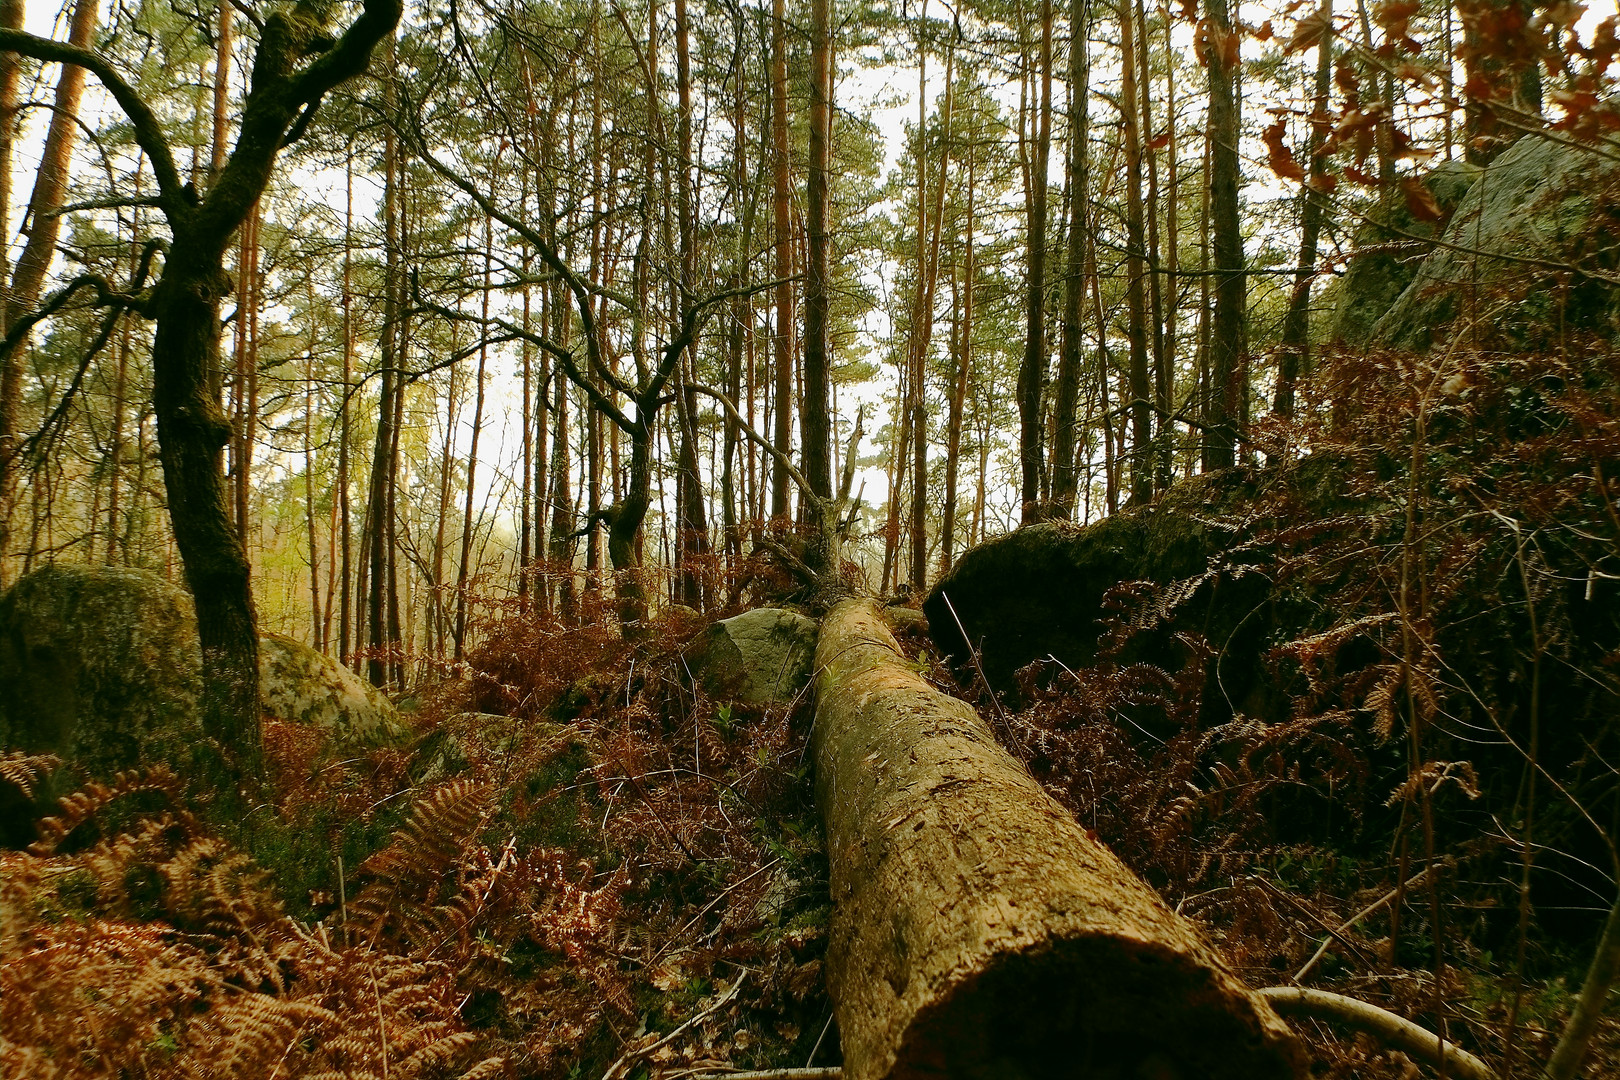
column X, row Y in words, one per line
column 301, row 854
column 554, row 797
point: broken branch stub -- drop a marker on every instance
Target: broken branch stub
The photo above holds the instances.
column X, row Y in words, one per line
column 977, row 930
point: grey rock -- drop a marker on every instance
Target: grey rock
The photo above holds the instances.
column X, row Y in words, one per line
column 764, row 655
column 1387, row 258
column 1542, row 201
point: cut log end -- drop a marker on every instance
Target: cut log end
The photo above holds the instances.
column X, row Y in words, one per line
column 1098, row 1007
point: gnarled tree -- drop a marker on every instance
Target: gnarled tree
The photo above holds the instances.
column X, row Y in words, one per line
column 297, row 62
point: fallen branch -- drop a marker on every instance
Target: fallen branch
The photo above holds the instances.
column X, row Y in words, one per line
column 1390, row 1029
column 1321, row 951
column 622, row 1066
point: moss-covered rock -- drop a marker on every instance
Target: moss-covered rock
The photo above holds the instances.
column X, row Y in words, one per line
column 1540, row 207
column 1039, row 592
column 763, row 655
column 468, row 740
column 100, row 666
column 301, row 686
column 1387, row 256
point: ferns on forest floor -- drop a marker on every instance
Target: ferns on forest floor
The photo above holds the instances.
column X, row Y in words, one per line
column 135, row 939
column 1445, row 547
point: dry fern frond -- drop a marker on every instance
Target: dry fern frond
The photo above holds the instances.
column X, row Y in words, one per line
column 250, row 1034
column 83, row 805
column 409, row 877
column 23, row 770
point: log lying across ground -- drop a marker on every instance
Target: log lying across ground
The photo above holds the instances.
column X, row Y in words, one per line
column 977, row 931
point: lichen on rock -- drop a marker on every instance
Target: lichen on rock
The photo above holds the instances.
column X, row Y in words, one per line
column 301, row 686
column 1511, row 268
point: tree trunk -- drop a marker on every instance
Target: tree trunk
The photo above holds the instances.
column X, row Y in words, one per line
column 317, row 636
column 192, row 434
column 244, row 382
column 1294, row 351
column 380, row 552
column 222, row 89
column 44, row 226
column 464, row 565
column 1032, row 370
column 12, row 15
column 962, row 353
column 817, row 416
column 1141, row 410
column 1163, row 373
column 1228, row 378
column 977, row 930
column 780, row 196
column 563, row 541
column 922, row 325
column 1066, row 431
column 346, row 640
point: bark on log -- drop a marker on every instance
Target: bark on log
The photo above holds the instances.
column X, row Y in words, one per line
column 977, row 930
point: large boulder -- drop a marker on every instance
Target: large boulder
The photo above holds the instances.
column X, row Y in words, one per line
column 1512, row 264
column 101, row 667
column 1387, row 255
column 1040, row 593
column 301, row 686
column 763, row 655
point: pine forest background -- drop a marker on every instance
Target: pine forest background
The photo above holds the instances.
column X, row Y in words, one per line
column 1025, row 312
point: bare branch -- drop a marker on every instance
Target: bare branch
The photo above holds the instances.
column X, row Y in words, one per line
column 148, row 132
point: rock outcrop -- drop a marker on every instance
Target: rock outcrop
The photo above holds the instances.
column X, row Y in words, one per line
column 1527, row 256
column 764, row 655
column 1038, row 592
column 1387, row 256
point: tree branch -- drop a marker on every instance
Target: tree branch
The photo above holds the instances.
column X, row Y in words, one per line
column 1392, row 1030
column 148, row 132
column 777, row 455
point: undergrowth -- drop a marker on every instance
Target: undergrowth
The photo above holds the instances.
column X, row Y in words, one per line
column 1415, row 803
column 545, row 893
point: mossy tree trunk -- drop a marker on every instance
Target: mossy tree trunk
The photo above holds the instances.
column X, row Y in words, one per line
column 977, row 929
column 296, row 64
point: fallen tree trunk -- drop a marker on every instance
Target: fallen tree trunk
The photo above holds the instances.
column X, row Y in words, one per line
column 977, row 930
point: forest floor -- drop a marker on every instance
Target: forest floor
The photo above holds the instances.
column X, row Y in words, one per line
column 586, row 868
